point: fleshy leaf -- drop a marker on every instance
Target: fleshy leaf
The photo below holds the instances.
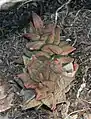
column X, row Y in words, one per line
column 56, row 67
column 67, row 49
column 35, row 45
column 49, row 28
column 57, row 35
column 62, row 43
column 64, row 60
column 51, row 38
column 38, row 23
column 41, row 53
column 44, row 89
column 28, row 53
column 52, row 49
column 44, row 37
column 31, row 36
column 24, row 77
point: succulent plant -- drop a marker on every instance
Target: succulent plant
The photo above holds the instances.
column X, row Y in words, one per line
column 49, row 69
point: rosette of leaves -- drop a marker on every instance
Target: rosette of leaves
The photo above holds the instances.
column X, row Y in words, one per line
column 49, row 70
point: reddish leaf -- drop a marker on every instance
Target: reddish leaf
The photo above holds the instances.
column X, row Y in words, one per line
column 24, row 77
column 51, row 38
column 56, row 67
column 44, row 89
column 49, row 28
column 31, row 36
column 64, row 60
column 44, row 37
column 62, row 43
column 28, row 83
column 38, row 23
column 76, row 66
column 35, row 45
column 67, row 49
column 41, row 53
column 57, row 35
column 52, row 49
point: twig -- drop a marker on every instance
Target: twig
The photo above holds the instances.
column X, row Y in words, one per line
column 75, row 39
column 89, row 33
column 83, row 85
column 28, row 1
column 56, row 14
column 76, row 17
column 77, row 111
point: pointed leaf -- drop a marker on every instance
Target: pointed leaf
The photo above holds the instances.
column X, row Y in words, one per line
column 67, row 49
column 56, row 67
column 35, row 45
column 57, row 97
column 57, row 35
column 31, row 28
column 24, row 77
column 52, row 49
column 41, row 53
column 44, row 89
column 38, row 23
column 31, row 36
column 44, row 37
column 64, row 60
column 51, row 38
column 62, row 43
column 49, row 28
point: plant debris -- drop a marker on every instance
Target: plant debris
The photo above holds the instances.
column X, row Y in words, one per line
column 6, row 96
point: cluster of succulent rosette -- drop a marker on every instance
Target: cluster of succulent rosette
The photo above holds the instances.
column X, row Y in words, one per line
column 49, row 69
